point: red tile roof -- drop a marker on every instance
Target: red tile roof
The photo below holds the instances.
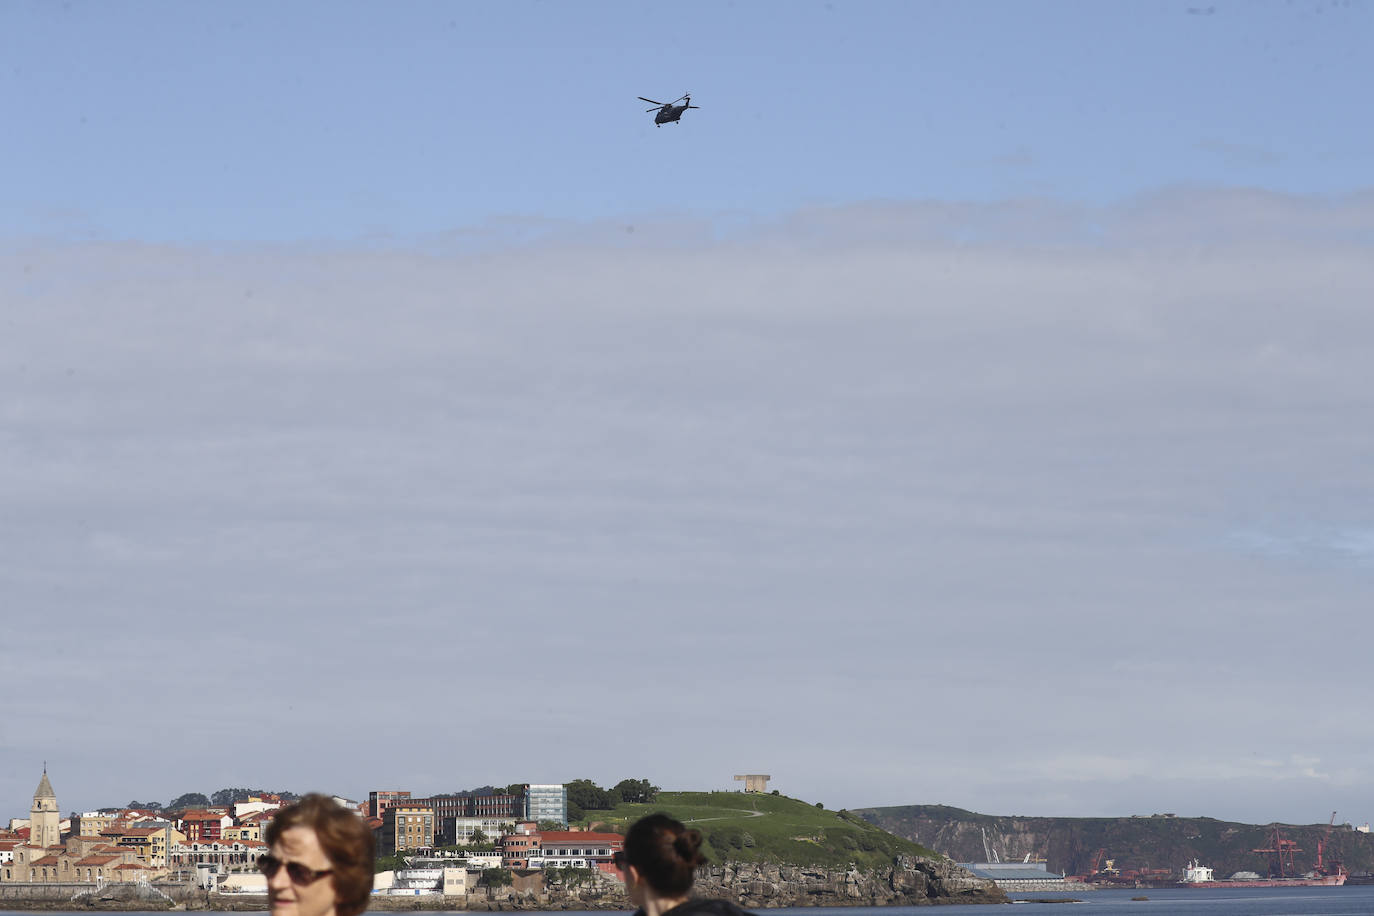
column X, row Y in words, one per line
column 201, row 816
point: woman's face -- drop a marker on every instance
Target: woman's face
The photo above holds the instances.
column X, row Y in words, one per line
column 286, row 897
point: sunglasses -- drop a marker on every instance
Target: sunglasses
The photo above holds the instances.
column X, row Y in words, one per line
column 299, row 873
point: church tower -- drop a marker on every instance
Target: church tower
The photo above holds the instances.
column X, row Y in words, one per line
column 44, row 818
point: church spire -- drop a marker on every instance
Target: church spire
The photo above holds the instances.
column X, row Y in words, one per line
column 45, row 823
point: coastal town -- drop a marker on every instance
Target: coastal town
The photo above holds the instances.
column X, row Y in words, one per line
column 468, row 839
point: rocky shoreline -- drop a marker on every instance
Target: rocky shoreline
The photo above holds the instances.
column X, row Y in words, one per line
column 909, row 881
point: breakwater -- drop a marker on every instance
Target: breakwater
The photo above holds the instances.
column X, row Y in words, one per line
column 909, row 881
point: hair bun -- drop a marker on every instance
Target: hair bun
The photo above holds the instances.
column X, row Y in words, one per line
column 688, row 846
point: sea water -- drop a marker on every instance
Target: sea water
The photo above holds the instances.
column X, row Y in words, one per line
column 1285, row 901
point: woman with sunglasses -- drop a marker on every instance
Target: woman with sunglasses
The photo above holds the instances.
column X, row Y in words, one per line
column 659, row 862
column 319, row 861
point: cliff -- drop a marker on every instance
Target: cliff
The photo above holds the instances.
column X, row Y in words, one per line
column 910, row 881
column 1070, row 845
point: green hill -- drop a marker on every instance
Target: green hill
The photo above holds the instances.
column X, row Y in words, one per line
column 769, row 828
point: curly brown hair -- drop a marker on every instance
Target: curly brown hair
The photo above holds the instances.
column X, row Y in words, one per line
column 345, row 839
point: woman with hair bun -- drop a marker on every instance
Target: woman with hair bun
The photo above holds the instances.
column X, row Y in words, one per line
column 659, row 862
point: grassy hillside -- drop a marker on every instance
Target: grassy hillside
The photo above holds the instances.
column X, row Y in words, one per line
column 769, row 828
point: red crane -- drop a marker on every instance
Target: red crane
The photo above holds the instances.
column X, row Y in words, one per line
column 1322, row 865
column 1281, row 855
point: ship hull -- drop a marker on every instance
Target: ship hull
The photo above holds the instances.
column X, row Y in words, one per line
column 1325, row 881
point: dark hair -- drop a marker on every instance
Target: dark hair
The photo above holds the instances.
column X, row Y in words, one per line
column 665, row 853
column 346, row 840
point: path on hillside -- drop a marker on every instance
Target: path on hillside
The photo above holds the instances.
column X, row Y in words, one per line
column 747, row 812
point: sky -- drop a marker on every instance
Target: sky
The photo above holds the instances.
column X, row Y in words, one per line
column 969, row 404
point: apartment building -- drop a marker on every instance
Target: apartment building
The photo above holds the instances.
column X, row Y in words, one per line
column 406, row 827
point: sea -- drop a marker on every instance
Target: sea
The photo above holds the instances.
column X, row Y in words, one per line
column 1287, row 901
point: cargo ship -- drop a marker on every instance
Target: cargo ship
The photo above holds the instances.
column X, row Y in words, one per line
column 1196, row 875
column 1281, row 870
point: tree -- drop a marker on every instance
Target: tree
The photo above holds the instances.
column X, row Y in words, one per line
column 575, row 812
column 549, row 825
column 635, row 791
column 145, row 806
column 228, row 797
column 478, row 838
column 588, row 795
column 497, row 877
column 515, row 788
column 189, row 800
column 389, row 863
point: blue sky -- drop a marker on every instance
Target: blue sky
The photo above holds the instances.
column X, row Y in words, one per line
column 968, row 404
column 295, row 121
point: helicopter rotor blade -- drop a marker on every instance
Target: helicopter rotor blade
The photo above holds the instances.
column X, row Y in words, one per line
column 642, row 99
column 659, row 108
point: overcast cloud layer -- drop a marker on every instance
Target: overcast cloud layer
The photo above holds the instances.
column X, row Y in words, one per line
column 1023, row 508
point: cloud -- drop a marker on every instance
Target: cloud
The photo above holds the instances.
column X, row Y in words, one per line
column 1240, row 155
column 799, row 491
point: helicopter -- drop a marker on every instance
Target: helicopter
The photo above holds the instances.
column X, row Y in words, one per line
column 670, row 112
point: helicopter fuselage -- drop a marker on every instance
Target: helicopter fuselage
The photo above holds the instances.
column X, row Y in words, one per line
column 669, row 113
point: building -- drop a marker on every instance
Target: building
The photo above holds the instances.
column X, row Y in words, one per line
column 204, row 826
column 256, row 804
column 381, row 799
column 1017, row 876
column 406, row 827
column 249, row 830
column 82, row 860
column 518, row 848
column 546, row 804
column 45, row 820
column 754, row 782
column 498, row 806
column 43, row 858
column 92, row 823
column 460, row 831
column 150, row 844
column 577, row 848
column 220, row 855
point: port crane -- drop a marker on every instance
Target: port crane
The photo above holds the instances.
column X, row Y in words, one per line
column 1281, row 855
column 1326, row 864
